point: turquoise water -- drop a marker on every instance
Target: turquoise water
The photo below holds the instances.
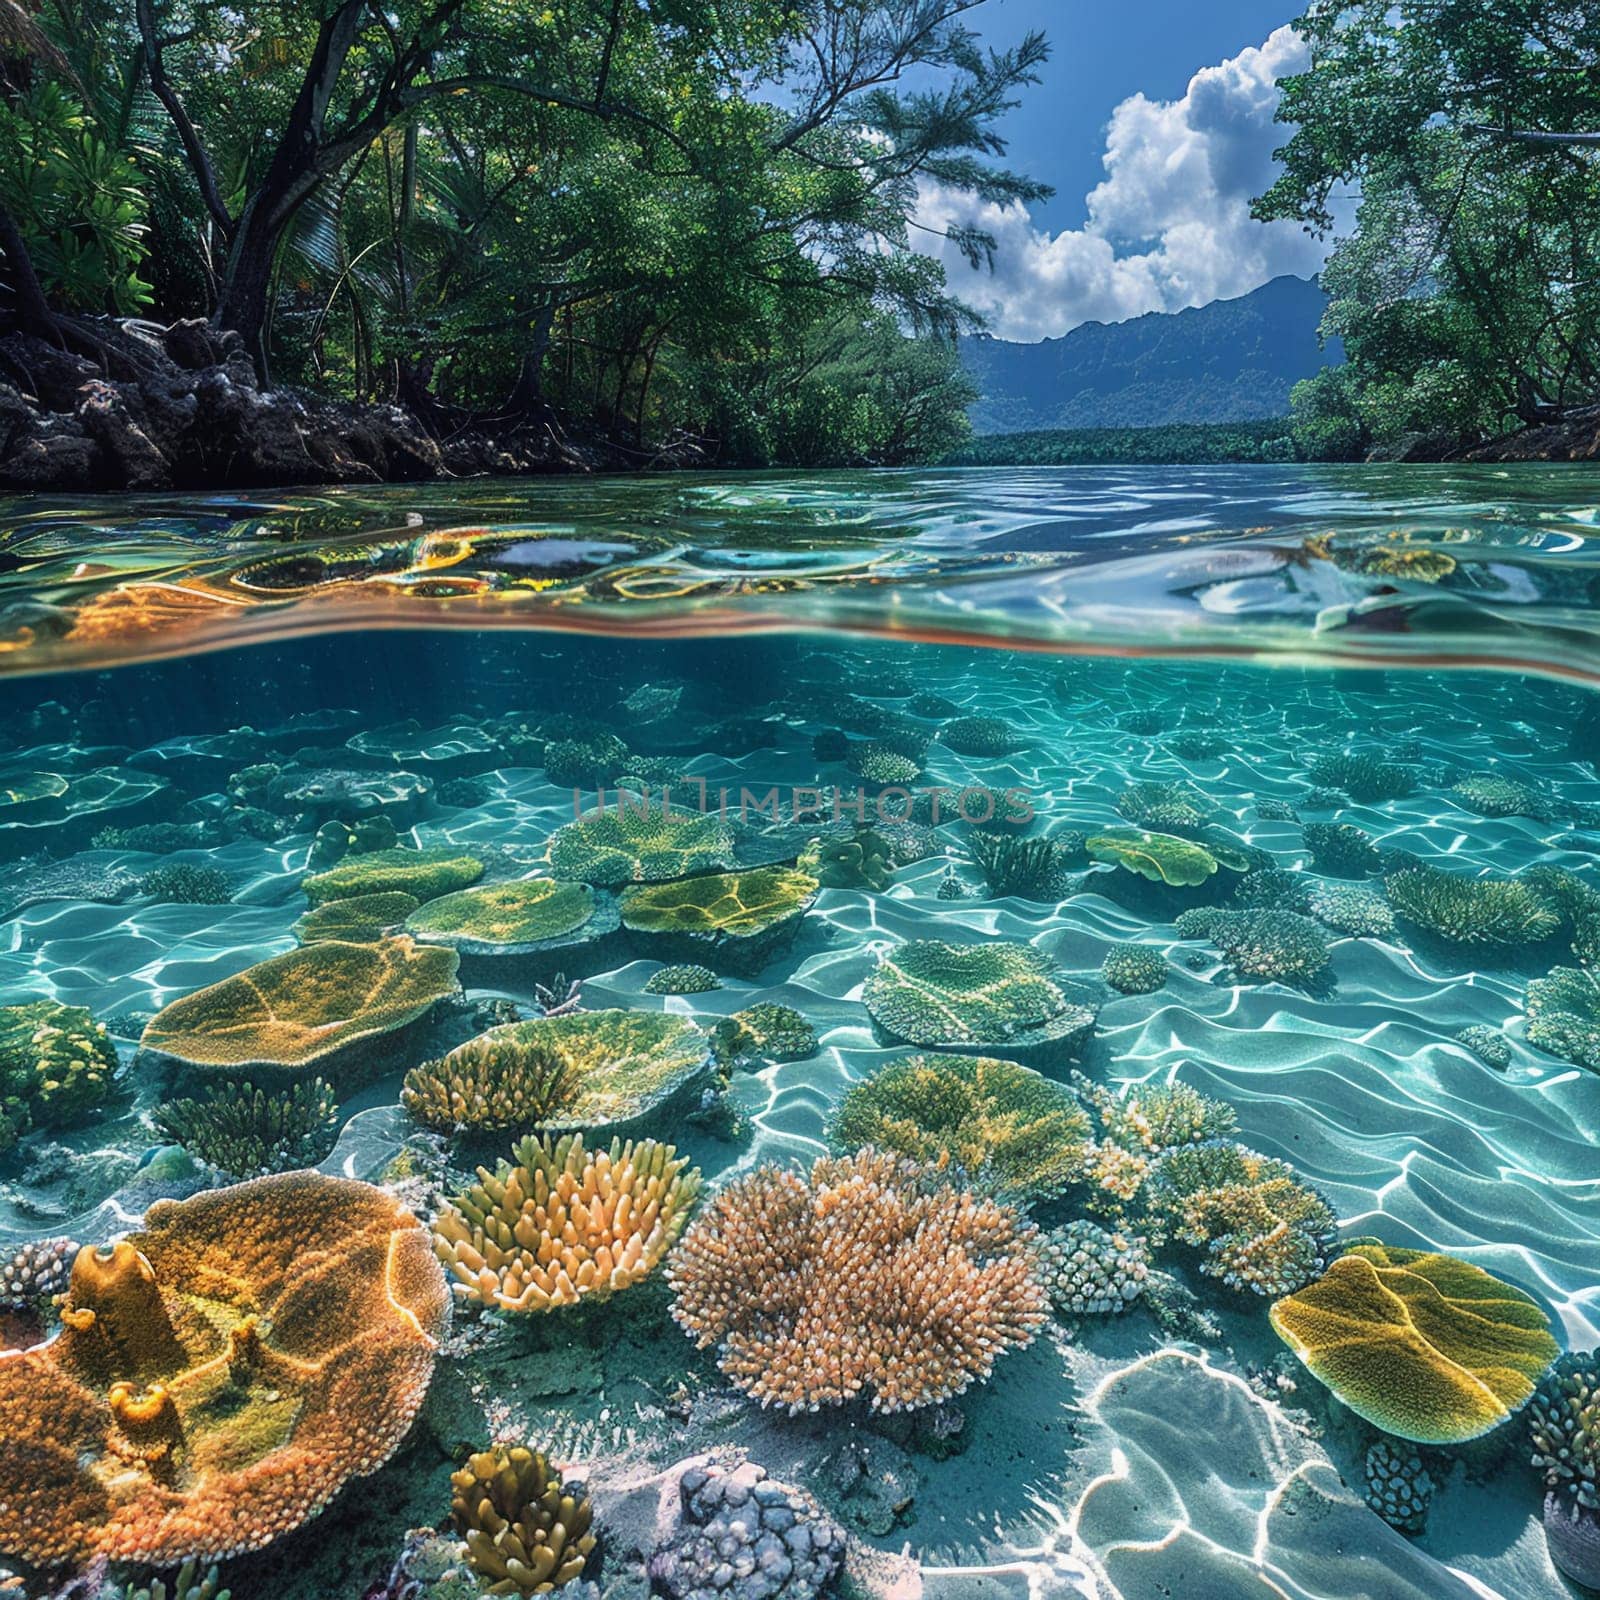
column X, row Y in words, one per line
column 1307, row 763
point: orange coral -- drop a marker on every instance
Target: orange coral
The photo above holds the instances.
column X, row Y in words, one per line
column 220, row 1375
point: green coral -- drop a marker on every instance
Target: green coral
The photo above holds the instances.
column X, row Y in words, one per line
column 57, row 1065
column 644, row 843
column 1564, row 1015
column 1341, row 849
column 1163, row 807
column 1273, row 889
column 1365, row 777
column 585, row 763
column 1477, row 912
column 427, row 874
column 183, row 884
column 1488, row 1044
column 980, row 736
column 506, row 917
column 1003, row 1125
column 501, row 1079
column 884, row 768
column 1025, row 869
column 764, row 1032
column 742, row 918
column 1492, row 794
column 684, row 978
column 1161, row 857
column 1564, row 1428
column 248, row 1132
column 863, row 861
column 1270, row 946
column 1135, row 969
column 361, row 919
column 1260, row 1227
column 1350, row 909
column 188, row 1583
column 998, row 993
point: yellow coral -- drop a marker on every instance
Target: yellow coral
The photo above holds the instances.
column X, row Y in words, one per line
column 564, row 1223
column 525, row 1533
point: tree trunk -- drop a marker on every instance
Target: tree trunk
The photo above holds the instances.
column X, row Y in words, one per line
column 247, row 284
column 33, row 313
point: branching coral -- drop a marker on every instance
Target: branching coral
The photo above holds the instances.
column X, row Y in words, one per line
column 1259, row 1225
column 885, row 768
column 183, row 884
column 564, row 1223
column 1271, row 946
column 220, row 1375
column 248, row 1132
column 1004, row 1127
column 1366, row 778
column 1350, row 909
column 1028, row 869
column 1472, row 911
column 1271, row 888
column 188, row 1583
column 1492, row 794
column 1341, row 849
column 526, row 1532
column 765, row 1031
column 498, row 1080
column 980, row 736
column 1564, row 1015
column 1163, row 807
column 871, row 1277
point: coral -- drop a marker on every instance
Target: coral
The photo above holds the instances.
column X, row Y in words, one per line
column 1364, row 777
column 928, row 704
column 526, row 1532
column 1271, row 809
column 930, row 993
column 1025, row 868
column 745, row 1536
column 884, row 768
column 362, row 919
column 980, row 736
column 1488, row 1044
column 1350, row 909
column 56, row 1066
column 764, row 1032
column 585, row 763
column 1424, row 1346
column 1163, row 807
column 951, row 887
column 868, row 1277
column 1198, row 744
column 495, row 1081
column 1148, row 1118
column 1416, row 563
column 1272, row 946
column 1161, row 857
column 1492, row 794
column 682, row 979
column 1564, row 1015
column 1134, row 969
column 188, row 1583
column 1564, row 1428
column 516, row 918
column 36, row 1271
column 162, row 838
column 1471, row 911
column 566, row 1070
column 563, row 1223
column 641, row 843
column 859, row 862
column 219, row 1375
column 1001, row 1126
column 1088, row 1271
column 427, row 874
column 1259, row 1225
column 307, row 1008
column 248, row 1132
column 183, row 884
column 742, row 918
column 1341, row 849
column 1398, row 1486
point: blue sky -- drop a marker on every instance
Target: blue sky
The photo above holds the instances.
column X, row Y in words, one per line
column 1155, row 124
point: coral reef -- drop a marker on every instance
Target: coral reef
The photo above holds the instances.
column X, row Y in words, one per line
column 1564, row 1015
column 362, row 919
column 1492, row 794
column 220, row 1374
column 884, row 768
column 526, row 1532
column 1477, row 912
column 1028, row 869
column 1003, row 1127
column 1163, row 807
column 1488, row 1044
column 56, row 1067
column 765, row 1031
column 1089, row 1271
column 36, row 1271
column 1272, row 946
column 1161, row 857
column 1260, row 1227
column 980, row 736
column 1148, row 1118
column 427, row 874
column 575, row 1069
column 1425, row 1346
column 1342, row 850
column 183, row 884
column 931, row 993
column 563, row 1223
column 863, row 861
column 1398, row 1486
column 248, row 1132
column 1273, row 889
column 188, row 1583
column 1351, row 909
column 516, row 918
column 868, row 1277
column 1134, row 969
column 1366, row 778
column 1564, row 1428
column 643, row 843
column 745, row 1536
column 682, row 979
column 311, row 1007
column 742, row 919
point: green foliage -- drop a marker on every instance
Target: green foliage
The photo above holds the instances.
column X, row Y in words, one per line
column 1196, row 443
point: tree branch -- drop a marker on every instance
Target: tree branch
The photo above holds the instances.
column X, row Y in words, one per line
column 1531, row 135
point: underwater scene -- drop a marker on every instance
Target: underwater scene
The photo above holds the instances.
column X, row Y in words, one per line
column 982, row 1035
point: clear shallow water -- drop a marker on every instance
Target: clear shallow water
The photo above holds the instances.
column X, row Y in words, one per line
column 1073, row 1476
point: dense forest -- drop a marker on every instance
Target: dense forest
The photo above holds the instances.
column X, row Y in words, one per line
column 1191, row 443
column 1467, row 134
column 682, row 227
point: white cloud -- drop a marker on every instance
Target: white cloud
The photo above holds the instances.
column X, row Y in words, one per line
column 1169, row 227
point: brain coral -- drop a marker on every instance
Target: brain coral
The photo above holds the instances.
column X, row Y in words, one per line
column 871, row 1277
column 1424, row 1346
column 564, row 1223
column 1004, row 1125
column 219, row 1375
column 304, row 1008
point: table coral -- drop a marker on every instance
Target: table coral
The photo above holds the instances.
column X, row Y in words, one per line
column 1161, row 857
column 512, row 918
column 563, row 1223
column 739, row 919
column 868, row 1277
column 640, row 844
column 219, row 1375
column 526, row 1532
column 427, row 874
